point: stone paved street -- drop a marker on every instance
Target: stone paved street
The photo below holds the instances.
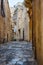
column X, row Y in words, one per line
column 17, row 53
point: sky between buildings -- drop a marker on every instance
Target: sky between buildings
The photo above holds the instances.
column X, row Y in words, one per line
column 14, row 2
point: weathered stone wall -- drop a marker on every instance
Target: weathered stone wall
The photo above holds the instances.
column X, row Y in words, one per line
column 5, row 23
column 28, row 4
column 1, row 26
column 30, row 29
column 38, row 30
column 1, row 29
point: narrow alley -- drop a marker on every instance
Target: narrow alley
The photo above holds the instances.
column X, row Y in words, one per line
column 17, row 53
column 21, row 32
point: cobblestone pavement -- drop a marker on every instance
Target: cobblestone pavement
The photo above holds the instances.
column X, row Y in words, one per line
column 17, row 53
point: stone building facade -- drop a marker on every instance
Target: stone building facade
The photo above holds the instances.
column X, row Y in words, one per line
column 37, row 29
column 28, row 4
column 22, row 22
column 5, row 22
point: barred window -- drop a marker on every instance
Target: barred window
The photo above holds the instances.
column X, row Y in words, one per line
column 2, row 9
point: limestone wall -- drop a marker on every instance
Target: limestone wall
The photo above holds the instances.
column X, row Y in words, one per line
column 5, row 23
column 38, row 30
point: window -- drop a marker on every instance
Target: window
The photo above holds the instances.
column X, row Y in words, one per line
column 2, row 9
